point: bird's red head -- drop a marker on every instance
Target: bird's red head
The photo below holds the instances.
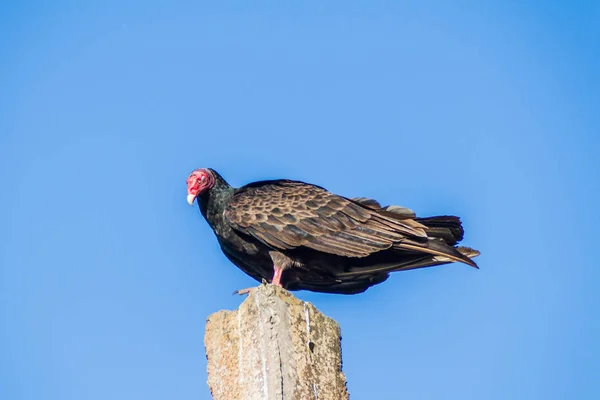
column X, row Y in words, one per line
column 199, row 181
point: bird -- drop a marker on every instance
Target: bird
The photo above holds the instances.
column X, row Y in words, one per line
column 300, row 236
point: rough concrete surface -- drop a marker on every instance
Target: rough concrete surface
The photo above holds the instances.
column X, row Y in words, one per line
column 274, row 346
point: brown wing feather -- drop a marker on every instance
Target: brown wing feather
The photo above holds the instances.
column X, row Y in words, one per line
column 290, row 214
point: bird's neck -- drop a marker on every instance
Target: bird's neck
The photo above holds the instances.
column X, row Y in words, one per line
column 212, row 203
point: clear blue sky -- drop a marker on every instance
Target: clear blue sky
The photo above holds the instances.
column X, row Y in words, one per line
column 487, row 111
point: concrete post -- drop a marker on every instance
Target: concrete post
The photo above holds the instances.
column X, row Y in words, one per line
column 274, row 347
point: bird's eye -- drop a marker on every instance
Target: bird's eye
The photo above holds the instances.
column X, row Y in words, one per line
column 203, row 178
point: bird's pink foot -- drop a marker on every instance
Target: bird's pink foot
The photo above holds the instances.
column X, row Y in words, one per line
column 248, row 290
column 242, row 292
column 275, row 281
column 277, row 277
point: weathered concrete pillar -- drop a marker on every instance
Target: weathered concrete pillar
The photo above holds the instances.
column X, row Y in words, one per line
column 274, row 347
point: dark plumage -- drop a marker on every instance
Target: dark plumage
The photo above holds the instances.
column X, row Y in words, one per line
column 300, row 236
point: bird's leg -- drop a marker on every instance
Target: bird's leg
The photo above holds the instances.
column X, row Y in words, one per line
column 280, row 263
column 277, row 276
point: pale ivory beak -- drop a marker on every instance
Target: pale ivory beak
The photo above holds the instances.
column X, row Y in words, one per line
column 190, row 199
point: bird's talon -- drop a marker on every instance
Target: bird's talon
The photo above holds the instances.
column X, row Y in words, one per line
column 242, row 292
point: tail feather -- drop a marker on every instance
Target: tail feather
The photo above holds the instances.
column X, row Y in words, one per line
column 439, row 249
column 409, row 263
column 446, row 227
column 359, row 278
column 467, row 251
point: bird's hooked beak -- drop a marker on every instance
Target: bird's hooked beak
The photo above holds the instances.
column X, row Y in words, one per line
column 190, row 199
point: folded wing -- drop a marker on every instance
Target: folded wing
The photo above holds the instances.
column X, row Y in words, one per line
column 288, row 215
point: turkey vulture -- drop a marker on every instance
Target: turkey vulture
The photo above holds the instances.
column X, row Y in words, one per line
column 302, row 237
